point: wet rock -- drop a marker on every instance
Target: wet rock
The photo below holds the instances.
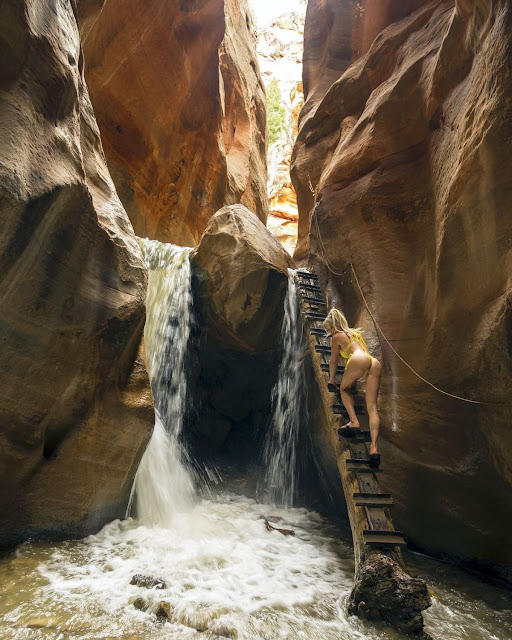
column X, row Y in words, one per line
column 141, row 604
column 242, row 273
column 182, row 138
column 384, row 592
column 75, row 401
column 148, row 582
column 163, row 610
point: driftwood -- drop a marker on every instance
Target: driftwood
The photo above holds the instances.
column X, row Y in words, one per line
column 269, row 527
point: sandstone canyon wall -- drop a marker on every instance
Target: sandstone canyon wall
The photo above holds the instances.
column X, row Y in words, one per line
column 76, row 406
column 180, row 104
column 405, row 140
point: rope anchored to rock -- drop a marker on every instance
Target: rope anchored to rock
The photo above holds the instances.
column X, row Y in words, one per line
column 350, row 265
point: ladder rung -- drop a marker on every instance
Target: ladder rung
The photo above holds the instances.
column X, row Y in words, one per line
column 384, row 538
column 310, row 287
column 317, row 331
column 316, row 316
column 325, row 367
column 362, row 437
column 318, row 301
column 340, row 409
column 322, row 348
column 372, row 500
column 306, row 274
column 361, row 467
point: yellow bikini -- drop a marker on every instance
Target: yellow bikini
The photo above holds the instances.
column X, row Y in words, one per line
column 360, row 341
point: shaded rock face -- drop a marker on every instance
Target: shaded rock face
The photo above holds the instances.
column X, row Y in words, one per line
column 408, row 153
column 76, row 406
column 240, row 281
column 180, row 104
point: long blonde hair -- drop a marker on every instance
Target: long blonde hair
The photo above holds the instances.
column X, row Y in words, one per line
column 337, row 320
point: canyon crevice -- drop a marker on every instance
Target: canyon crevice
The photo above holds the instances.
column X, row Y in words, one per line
column 181, row 109
column 401, row 168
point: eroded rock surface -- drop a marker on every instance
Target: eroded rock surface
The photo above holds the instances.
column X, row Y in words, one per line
column 76, row 407
column 243, row 272
column 181, row 108
column 407, row 149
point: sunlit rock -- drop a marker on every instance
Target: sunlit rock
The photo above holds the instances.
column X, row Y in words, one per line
column 76, row 406
column 181, row 108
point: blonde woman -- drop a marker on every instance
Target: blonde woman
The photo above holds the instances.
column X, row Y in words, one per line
column 349, row 344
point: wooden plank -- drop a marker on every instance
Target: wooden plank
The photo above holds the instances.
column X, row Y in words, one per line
column 306, row 274
column 319, row 301
column 377, row 519
column 310, row 287
column 372, row 500
column 325, row 367
column 313, row 315
column 386, row 539
column 360, row 467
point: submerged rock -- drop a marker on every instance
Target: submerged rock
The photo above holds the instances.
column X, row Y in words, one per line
column 163, row 610
column 141, row 604
column 148, row 582
column 75, row 401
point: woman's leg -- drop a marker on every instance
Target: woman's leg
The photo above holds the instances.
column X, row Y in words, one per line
column 372, row 392
column 353, row 371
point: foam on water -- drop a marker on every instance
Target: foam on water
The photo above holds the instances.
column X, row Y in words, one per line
column 226, row 575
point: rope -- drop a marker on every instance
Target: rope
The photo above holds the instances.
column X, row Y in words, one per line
column 377, row 326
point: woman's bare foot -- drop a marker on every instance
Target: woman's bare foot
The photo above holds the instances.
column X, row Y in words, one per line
column 351, row 425
column 373, row 449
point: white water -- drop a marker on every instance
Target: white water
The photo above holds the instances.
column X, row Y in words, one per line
column 226, row 575
column 164, row 485
column 281, row 444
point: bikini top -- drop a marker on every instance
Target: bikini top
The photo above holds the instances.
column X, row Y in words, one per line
column 360, row 341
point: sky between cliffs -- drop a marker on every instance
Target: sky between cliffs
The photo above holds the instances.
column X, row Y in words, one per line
column 266, row 11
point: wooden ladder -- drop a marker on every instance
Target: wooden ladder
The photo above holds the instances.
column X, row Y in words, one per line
column 368, row 506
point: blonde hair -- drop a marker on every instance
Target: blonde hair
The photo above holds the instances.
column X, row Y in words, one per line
column 337, row 320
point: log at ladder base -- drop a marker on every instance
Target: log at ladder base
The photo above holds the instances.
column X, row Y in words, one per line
column 383, row 590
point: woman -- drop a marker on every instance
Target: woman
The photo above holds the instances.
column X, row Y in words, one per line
column 349, row 344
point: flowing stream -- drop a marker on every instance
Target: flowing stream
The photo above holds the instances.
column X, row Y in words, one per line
column 225, row 574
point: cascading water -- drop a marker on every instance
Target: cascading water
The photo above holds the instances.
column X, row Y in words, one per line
column 282, row 441
column 164, row 485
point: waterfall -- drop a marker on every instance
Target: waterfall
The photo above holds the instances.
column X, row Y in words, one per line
column 164, row 484
column 280, row 451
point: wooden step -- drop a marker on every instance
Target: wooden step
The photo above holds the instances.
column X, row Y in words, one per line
column 325, row 367
column 335, row 388
column 318, row 301
column 322, row 348
column 310, row 287
column 317, row 331
column 384, row 538
column 373, row 499
column 339, row 409
column 356, row 438
column 306, row 274
column 316, row 316
column 361, row 466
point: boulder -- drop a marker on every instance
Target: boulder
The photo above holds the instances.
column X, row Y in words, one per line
column 75, row 403
column 407, row 150
column 242, row 277
column 148, row 582
column 181, row 108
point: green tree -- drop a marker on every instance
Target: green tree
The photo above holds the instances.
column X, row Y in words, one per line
column 276, row 113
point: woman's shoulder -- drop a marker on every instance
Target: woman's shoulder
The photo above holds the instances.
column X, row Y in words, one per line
column 340, row 338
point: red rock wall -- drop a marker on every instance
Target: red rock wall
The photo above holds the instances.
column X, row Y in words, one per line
column 408, row 151
column 181, row 108
column 75, row 403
